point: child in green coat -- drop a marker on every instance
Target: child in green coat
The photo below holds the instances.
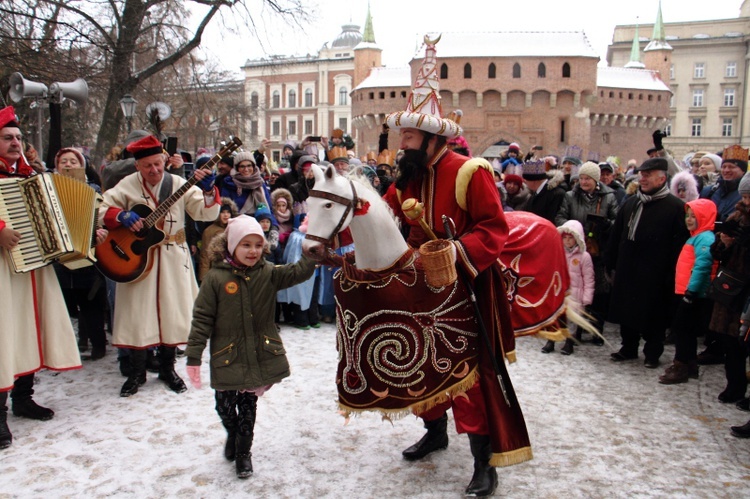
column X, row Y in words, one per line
column 235, row 311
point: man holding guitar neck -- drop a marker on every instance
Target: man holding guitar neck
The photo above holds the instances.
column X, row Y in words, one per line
column 155, row 307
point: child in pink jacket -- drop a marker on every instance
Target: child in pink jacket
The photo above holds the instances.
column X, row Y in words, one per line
column 581, row 270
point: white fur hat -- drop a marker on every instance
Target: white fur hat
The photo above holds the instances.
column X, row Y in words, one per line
column 239, row 227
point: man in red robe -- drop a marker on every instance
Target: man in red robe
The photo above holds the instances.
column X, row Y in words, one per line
column 449, row 184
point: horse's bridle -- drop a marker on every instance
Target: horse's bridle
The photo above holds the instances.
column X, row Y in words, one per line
column 350, row 204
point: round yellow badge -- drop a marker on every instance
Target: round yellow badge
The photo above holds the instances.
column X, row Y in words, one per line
column 231, row 288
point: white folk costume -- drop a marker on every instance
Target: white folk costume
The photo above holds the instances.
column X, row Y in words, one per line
column 36, row 331
column 158, row 309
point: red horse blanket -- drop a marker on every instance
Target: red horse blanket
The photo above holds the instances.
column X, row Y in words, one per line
column 535, row 271
column 404, row 345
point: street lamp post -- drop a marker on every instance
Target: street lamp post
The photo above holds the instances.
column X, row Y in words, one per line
column 127, row 104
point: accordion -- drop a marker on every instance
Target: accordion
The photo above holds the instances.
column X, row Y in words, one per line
column 56, row 216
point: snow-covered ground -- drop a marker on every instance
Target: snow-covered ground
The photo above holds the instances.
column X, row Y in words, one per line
column 598, row 429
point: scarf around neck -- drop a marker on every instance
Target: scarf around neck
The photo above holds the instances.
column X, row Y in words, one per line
column 643, row 199
column 256, row 196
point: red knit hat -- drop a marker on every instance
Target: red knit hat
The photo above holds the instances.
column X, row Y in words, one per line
column 513, row 179
column 8, row 117
column 147, row 146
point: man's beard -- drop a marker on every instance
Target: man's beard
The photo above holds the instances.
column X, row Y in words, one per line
column 411, row 168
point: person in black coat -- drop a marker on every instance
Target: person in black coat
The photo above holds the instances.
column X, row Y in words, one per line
column 546, row 193
column 646, row 240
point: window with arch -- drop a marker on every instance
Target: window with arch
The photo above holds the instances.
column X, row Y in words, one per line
column 292, row 98
column 467, row 71
column 343, row 96
column 443, row 71
column 254, row 100
column 541, row 70
column 566, row 70
column 491, row 70
column 308, row 97
column 276, row 99
column 516, row 70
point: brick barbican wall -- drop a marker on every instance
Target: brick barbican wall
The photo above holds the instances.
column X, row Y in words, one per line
column 539, row 123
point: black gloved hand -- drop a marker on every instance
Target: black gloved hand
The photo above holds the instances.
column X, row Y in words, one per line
column 657, row 136
column 688, row 298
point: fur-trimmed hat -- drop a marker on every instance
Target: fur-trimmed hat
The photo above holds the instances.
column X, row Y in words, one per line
column 590, row 169
column 238, row 228
column 575, row 229
column 228, row 205
column 423, row 109
column 685, row 182
column 147, row 146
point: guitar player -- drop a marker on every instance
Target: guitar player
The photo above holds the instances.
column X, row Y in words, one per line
column 155, row 309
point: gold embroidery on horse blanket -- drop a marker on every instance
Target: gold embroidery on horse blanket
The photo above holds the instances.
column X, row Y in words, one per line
column 403, row 345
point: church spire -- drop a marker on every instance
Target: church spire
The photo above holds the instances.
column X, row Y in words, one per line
column 635, row 52
column 369, row 34
column 658, row 27
column 658, row 38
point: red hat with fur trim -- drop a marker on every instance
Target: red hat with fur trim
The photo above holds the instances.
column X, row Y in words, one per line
column 147, row 146
column 8, row 117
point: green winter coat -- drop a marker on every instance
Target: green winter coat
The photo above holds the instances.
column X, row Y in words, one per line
column 235, row 310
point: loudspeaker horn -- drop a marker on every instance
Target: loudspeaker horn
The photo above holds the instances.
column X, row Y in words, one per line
column 77, row 91
column 20, row 87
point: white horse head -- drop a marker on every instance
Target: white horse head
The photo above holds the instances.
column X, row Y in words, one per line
column 337, row 202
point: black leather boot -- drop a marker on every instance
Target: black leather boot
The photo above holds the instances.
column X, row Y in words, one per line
column 226, row 407
column 153, row 360
column 137, row 375
column 567, row 348
column 166, row 370
column 247, row 404
column 548, row 347
column 23, row 405
column 436, row 438
column 5, row 437
column 484, row 480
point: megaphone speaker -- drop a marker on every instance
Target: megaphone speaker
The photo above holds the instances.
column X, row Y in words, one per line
column 20, row 87
column 77, row 91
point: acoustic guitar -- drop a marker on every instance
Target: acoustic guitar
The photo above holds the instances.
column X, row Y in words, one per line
column 127, row 256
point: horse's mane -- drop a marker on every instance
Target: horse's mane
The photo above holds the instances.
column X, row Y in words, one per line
column 361, row 180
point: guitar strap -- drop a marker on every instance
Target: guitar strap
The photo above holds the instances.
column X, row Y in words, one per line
column 166, row 187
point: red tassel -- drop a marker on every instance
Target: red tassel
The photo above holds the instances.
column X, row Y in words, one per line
column 361, row 208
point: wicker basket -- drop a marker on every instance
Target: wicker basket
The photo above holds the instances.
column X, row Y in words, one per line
column 438, row 262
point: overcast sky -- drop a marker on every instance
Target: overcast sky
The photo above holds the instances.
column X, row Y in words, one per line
column 399, row 25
